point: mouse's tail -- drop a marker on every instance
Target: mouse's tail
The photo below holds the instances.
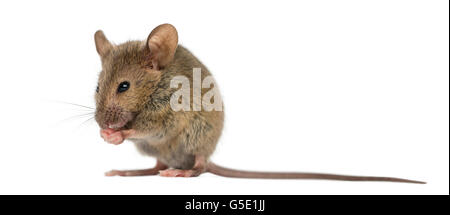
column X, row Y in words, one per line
column 226, row 172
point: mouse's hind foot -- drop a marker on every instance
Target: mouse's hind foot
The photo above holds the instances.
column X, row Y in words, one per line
column 180, row 173
column 198, row 169
column 141, row 172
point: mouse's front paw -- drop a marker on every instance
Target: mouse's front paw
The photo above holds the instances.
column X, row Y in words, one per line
column 112, row 136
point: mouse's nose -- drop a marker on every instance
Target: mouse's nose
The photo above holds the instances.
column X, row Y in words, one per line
column 108, row 117
column 113, row 117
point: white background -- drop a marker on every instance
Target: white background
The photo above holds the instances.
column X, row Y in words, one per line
column 349, row 87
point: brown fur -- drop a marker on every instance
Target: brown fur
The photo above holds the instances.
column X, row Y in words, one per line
column 172, row 137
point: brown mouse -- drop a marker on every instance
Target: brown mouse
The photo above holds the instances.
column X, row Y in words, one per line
column 133, row 102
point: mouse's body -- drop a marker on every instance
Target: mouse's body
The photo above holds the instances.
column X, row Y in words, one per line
column 174, row 137
column 133, row 101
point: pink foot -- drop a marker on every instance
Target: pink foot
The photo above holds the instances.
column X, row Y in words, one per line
column 112, row 136
column 180, row 173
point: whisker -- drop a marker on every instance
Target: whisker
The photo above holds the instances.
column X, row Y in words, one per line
column 86, row 121
column 76, row 116
column 70, row 103
column 80, row 126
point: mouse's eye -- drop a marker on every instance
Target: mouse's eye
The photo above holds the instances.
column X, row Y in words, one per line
column 123, row 87
column 97, row 89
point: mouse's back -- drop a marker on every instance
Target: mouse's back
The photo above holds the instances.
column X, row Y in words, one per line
column 202, row 128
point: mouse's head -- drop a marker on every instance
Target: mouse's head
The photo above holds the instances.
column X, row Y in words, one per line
column 130, row 73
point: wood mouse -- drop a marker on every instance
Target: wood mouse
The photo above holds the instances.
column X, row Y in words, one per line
column 133, row 102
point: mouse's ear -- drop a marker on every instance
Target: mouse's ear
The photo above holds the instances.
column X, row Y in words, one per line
column 162, row 43
column 102, row 44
